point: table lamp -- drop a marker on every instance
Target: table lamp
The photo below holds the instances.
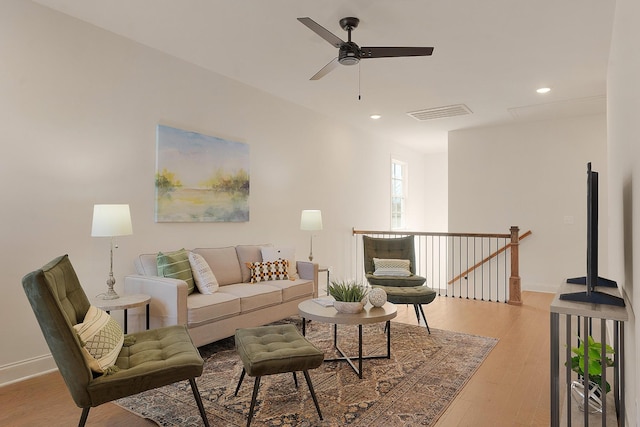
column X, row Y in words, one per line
column 110, row 221
column 311, row 220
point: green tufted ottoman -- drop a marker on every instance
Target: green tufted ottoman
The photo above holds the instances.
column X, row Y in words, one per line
column 268, row 350
column 416, row 295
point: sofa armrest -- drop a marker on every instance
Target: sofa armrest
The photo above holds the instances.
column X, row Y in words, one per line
column 168, row 298
column 309, row 271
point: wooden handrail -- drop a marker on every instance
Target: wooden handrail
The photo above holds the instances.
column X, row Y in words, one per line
column 431, row 233
column 490, row 257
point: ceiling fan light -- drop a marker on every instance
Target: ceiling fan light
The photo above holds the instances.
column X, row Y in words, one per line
column 349, row 60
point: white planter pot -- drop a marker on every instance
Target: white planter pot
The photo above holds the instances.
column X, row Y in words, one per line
column 348, row 307
column 595, row 396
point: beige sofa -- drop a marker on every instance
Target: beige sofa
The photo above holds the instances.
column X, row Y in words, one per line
column 236, row 304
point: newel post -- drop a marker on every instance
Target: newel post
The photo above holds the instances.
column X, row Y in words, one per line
column 515, row 297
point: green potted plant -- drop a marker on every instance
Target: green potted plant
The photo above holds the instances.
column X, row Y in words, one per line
column 350, row 295
column 594, row 351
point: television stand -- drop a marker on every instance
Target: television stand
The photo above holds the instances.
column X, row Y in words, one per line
column 594, row 297
column 605, row 283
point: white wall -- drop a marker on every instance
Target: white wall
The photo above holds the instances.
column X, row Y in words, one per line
column 79, row 109
column 532, row 175
column 623, row 105
column 437, row 192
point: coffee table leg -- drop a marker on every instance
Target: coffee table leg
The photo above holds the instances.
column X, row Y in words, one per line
column 360, row 351
column 304, row 327
column 388, row 339
column 335, row 335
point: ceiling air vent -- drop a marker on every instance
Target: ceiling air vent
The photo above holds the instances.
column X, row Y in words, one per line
column 441, row 112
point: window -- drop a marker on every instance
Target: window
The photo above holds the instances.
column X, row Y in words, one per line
column 398, row 194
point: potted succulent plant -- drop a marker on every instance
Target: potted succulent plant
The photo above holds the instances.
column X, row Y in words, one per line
column 350, row 295
column 594, row 351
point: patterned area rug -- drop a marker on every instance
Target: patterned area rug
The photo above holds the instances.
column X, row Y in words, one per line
column 413, row 388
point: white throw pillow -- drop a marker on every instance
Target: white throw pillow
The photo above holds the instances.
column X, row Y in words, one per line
column 206, row 281
column 392, row 267
column 274, row 254
column 101, row 337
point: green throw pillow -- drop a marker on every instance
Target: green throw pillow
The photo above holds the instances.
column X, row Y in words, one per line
column 176, row 266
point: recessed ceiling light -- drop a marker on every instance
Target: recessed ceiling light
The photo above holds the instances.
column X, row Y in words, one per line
column 543, row 90
column 375, row 116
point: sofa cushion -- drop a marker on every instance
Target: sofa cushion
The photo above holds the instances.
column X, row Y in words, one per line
column 269, row 270
column 206, row 281
column 293, row 289
column 203, row 309
column 147, row 264
column 248, row 253
column 223, row 262
column 253, row 297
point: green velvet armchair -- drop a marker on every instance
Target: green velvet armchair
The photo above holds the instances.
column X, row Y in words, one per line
column 153, row 358
column 410, row 289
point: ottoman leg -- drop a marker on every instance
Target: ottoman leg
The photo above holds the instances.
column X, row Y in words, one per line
column 313, row 393
column 240, row 382
column 295, row 379
column 256, row 386
column 196, row 395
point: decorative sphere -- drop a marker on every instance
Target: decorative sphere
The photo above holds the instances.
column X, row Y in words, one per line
column 377, row 297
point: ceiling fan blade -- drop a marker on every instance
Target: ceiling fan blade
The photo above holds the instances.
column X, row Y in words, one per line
column 388, row 52
column 322, row 32
column 325, row 70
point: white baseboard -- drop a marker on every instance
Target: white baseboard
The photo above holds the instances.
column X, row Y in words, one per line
column 541, row 287
column 28, row 368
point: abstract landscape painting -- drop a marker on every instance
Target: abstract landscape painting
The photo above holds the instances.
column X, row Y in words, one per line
column 200, row 178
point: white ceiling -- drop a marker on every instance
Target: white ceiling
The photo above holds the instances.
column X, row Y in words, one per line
column 489, row 55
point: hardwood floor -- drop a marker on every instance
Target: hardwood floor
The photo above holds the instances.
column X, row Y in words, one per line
column 510, row 388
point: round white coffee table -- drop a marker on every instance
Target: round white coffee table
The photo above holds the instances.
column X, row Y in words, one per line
column 310, row 310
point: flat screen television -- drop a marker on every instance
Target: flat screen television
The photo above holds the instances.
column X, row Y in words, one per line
column 592, row 280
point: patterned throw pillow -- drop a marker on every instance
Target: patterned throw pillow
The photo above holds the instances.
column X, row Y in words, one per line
column 206, row 281
column 269, row 270
column 392, row 267
column 176, row 266
column 274, row 254
column 102, row 338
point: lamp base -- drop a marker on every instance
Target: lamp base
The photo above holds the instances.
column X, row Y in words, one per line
column 111, row 294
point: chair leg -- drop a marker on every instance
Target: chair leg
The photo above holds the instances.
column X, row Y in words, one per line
column 256, row 386
column 295, row 379
column 83, row 417
column 196, row 395
column 240, row 382
column 313, row 393
column 423, row 316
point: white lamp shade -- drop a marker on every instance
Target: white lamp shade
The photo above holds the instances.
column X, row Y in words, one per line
column 111, row 220
column 311, row 220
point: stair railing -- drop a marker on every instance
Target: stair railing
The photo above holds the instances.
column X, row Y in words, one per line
column 482, row 266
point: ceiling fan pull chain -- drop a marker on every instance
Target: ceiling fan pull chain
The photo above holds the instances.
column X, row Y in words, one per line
column 359, row 91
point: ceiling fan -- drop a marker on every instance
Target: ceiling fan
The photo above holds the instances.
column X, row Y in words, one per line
column 350, row 53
